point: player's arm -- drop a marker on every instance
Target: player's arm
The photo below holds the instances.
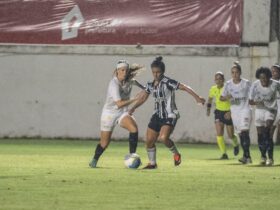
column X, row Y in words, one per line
column 209, row 105
column 138, row 84
column 122, row 103
column 115, row 93
column 189, row 90
column 252, row 96
column 141, row 99
column 225, row 96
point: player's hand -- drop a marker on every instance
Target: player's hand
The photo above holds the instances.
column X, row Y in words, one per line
column 228, row 97
column 227, row 116
column 259, row 103
column 200, row 100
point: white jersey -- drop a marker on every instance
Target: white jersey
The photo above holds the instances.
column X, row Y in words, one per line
column 267, row 95
column 239, row 94
column 117, row 91
column 278, row 99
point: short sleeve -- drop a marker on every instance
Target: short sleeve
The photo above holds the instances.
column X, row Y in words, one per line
column 211, row 92
column 252, row 92
column 114, row 91
column 172, row 84
column 148, row 88
column 226, row 90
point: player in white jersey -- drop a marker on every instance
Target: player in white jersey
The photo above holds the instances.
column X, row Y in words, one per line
column 263, row 95
column 236, row 91
column 163, row 121
column 116, row 107
column 275, row 70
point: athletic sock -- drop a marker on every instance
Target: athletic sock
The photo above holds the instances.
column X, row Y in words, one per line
column 234, row 141
column 221, row 144
column 242, row 143
column 270, row 148
column 174, row 149
column 133, row 140
column 152, row 155
column 98, row 152
column 247, row 142
column 261, row 144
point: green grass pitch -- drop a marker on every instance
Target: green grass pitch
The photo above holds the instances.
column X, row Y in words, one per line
column 54, row 175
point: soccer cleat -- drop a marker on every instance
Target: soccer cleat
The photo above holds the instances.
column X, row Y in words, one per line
column 177, row 159
column 236, row 150
column 269, row 162
column 224, row 157
column 93, row 163
column 245, row 160
column 263, row 161
column 150, row 166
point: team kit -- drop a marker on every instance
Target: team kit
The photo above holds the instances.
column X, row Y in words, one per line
column 233, row 99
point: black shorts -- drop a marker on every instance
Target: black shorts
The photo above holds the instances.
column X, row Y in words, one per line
column 156, row 123
column 220, row 117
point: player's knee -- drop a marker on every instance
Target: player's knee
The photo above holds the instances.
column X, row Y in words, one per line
column 163, row 138
column 133, row 129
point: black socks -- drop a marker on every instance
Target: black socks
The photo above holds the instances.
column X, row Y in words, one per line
column 133, row 140
column 98, row 152
column 245, row 143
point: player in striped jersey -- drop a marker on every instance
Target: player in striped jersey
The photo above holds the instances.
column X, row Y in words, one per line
column 222, row 115
column 236, row 91
column 165, row 115
column 275, row 70
column 263, row 95
column 115, row 110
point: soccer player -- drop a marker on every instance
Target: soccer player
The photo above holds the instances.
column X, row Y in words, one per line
column 163, row 121
column 222, row 115
column 236, row 90
column 263, row 95
column 275, row 70
column 116, row 107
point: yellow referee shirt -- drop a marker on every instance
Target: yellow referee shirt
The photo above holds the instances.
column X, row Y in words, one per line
column 216, row 92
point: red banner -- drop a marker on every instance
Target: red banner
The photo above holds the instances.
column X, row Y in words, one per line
column 109, row 22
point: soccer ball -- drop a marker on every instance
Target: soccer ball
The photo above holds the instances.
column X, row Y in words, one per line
column 132, row 160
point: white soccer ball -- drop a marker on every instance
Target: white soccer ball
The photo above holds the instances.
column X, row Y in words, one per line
column 132, row 160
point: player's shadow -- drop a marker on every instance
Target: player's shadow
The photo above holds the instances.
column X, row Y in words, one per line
column 263, row 166
column 14, row 177
column 218, row 159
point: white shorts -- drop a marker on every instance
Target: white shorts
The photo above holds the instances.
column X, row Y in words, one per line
column 277, row 119
column 262, row 115
column 109, row 120
column 241, row 119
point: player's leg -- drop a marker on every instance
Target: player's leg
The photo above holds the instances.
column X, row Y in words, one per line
column 262, row 134
column 237, row 119
column 244, row 126
column 151, row 137
column 245, row 142
column 164, row 136
column 278, row 134
column 227, row 120
column 233, row 137
column 128, row 122
column 220, row 139
column 270, row 144
column 107, row 124
column 105, row 138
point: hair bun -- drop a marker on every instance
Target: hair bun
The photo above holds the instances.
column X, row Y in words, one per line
column 236, row 63
column 159, row 58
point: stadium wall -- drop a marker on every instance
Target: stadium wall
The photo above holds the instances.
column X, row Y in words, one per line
column 59, row 91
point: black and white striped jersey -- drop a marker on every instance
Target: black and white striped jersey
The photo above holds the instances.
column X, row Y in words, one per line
column 164, row 95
